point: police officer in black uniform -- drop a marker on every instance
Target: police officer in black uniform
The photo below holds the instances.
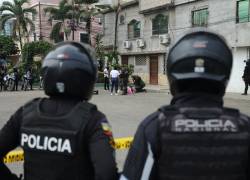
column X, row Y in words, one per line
column 64, row 137
column 195, row 137
column 246, row 76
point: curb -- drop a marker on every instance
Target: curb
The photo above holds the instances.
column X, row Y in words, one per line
column 158, row 90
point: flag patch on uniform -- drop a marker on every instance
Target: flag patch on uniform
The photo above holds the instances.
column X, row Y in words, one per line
column 106, row 128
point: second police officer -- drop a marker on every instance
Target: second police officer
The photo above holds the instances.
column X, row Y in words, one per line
column 195, row 137
column 63, row 136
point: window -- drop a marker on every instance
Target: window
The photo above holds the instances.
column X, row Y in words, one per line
column 243, row 11
column 122, row 19
column 160, row 25
column 200, row 17
column 248, row 53
column 140, row 60
column 134, row 29
column 82, row 19
column 84, row 38
column 33, row 16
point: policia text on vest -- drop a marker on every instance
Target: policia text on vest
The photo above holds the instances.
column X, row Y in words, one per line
column 54, row 144
column 46, row 143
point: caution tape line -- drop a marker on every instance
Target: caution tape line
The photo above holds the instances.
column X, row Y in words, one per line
column 14, row 156
column 123, row 143
column 18, row 155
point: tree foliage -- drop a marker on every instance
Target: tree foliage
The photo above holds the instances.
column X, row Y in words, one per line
column 99, row 49
column 60, row 14
column 7, row 46
column 86, row 11
column 34, row 48
column 16, row 12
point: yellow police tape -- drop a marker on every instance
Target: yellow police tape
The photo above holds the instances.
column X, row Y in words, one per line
column 14, row 156
column 18, row 155
column 123, row 143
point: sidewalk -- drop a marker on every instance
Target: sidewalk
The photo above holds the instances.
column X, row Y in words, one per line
column 238, row 96
column 157, row 88
column 165, row 89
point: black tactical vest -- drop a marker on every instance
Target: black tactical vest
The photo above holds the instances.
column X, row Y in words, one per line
column 54, row 147
column 202, row 144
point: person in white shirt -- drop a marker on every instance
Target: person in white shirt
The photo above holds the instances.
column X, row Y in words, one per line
column 106, row 78
column 114, row 74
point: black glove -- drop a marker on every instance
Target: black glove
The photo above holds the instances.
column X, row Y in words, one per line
column 20, row 177
column 14, row 177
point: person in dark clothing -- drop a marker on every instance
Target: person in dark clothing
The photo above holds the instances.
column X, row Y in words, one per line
column 2, row 74
column 138, row 83
column 29, row 77
column 16, row 79
column 63, row 136
column 246, row 76
column 195, row 137
column 124, row 80
column 106, row 78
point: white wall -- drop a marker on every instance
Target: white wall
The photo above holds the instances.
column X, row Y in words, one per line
column 236, row 83
column 221, row 19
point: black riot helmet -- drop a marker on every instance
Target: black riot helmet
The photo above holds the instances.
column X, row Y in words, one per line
column 69, row 70
column 200, row 61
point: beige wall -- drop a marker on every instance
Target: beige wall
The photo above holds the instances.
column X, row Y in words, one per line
column 149, row 4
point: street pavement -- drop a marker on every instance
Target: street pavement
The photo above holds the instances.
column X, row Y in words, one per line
column 123, row 112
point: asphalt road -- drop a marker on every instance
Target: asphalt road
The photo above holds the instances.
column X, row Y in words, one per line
column 123, row 112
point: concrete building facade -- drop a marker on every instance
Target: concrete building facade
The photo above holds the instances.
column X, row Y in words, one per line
column 226, row 17
column 137, row 44
column 43, row 27
column 148, row 50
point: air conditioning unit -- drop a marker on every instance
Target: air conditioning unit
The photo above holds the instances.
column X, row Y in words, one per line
column 127, row 44
column 98, row 20
column 140, row 43
column 164, row 39
column 82, row 25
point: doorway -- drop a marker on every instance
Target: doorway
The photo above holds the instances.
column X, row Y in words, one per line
column 153, row 70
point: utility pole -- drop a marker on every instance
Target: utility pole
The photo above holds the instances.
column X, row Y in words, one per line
column 40, row 22
column 117, row 11
column 73, row 21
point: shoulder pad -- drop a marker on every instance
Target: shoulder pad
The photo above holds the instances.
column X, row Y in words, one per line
column 88, row 105
column 231, row 112
column 168, row 108
column 30, row 104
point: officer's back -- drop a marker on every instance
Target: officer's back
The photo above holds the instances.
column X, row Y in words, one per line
column 63, row 136
column 195, row 137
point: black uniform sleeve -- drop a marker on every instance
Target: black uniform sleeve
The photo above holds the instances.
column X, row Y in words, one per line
column 102, row 153
column 9, row 140
column 140, row 160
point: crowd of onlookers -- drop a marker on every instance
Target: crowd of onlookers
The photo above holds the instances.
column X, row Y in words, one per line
column 116, row 81
column 119, row 81
column 13, row 80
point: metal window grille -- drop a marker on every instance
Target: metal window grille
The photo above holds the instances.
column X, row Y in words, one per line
column 243, row 11
column 140, row 60
column 200, row 17
column 134, row 28
column 165, row 64
column 160, row 25
column 122, row 19
column 248, row 53
column 84, row 37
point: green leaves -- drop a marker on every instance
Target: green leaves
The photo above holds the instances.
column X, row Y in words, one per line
column 7, row 46
column 60, row 14
column 34, row 48
column 23, row 25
